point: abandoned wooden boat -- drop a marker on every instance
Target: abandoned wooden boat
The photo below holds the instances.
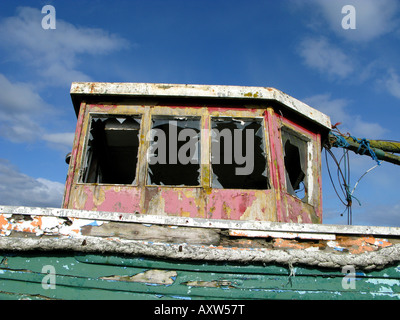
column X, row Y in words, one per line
column 193, row 192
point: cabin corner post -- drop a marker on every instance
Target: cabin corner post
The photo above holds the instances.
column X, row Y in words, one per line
column 142, row 156
column 275, row 169
column 318, row 179
column 205, row 146
column 73, row 168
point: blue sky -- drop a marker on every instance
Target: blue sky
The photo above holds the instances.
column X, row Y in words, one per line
column 299, row 47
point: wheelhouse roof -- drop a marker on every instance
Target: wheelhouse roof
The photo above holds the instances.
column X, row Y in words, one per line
column 113, row 91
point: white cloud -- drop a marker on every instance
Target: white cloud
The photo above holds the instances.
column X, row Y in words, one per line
column 328, row 59
column 62, row 138
column 335, row 108
column 368, row 214
column 339, row 111
column 19, row 106
column 62, row 141
column 18, row 97
column 373, row 18
column 378, row 214
column 392, row 84
column 22, row 112
column 18, row 189
column 54, row 56
column 54, row 53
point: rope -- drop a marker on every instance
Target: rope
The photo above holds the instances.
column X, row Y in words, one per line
column 322, row 258
column 340, row 141
column 292, row 273
column 350, row 195
column 365, row 146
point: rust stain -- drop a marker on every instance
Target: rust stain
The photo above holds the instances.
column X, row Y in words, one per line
column 92, row 87
column 227, row 210
column 251, row 94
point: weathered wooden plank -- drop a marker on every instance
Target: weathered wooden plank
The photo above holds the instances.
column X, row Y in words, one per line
column 152, row 292
column 167, row 234
column 21, row 296
column 17, row 290
column 392, row 272
column 67, row 266
column 30, row 283
column 118, row 280
column 196, row 266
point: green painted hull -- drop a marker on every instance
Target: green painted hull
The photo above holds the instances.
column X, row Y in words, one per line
column 81, row 276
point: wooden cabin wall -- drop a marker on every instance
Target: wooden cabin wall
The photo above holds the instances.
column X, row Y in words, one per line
column 202, row 201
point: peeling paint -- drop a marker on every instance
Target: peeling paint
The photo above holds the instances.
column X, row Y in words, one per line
column 40, row 225
column 183, row 202
column 106, row 198
column 150, row 277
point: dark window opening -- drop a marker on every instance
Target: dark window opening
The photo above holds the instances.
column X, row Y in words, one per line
column 112, row 150
column 238, row 156
column 174, row 153
column 295, row 158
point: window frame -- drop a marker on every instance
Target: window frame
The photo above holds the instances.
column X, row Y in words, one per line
column 308, row 139
column 175, row 111
column 146, row 114
column 84, row 157
column 265, row 145
column 200, row 150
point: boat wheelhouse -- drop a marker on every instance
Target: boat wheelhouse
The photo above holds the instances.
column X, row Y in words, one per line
column 214, row 152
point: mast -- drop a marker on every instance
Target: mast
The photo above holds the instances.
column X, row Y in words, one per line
column 377, row 149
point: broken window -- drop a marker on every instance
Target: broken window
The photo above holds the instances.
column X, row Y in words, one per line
column 174, row 153
column 238, row 156
column 112, row 149
column 295, row 158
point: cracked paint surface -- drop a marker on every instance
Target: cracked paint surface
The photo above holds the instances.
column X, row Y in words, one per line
column 106, row 198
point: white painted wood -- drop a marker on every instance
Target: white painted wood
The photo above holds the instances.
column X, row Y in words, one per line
column 203, row 223
column 279, row 234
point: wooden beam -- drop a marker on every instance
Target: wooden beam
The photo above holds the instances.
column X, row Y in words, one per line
column 380, row 154
column 149, row 232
